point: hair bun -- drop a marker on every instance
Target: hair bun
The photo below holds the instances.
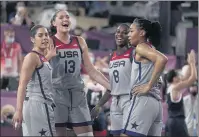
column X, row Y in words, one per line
column 32, row 25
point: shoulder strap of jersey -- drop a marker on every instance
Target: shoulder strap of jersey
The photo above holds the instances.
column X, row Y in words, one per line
column 39, row 58
column 110, row 56
column 76, row 38
column 53, row 39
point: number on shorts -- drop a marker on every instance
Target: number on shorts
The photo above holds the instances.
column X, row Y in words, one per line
column 69, row 66
column 116, row 76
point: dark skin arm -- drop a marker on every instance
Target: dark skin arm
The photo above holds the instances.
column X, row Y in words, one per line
column 144, row 53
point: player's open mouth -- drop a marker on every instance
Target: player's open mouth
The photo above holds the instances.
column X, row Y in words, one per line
column 65, row 25
column 44, row 43
column 119, row 39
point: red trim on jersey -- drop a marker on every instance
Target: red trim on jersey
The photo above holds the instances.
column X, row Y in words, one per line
column 43, row 59
column 126, row 54
column 72, row 45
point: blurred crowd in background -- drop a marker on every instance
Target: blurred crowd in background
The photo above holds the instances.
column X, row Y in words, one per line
column 96, row 21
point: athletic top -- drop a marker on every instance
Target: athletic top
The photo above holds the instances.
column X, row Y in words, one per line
column 120, row 72
column 141, row 74
column 41, row 82
column 175, row 108
column 67, row 65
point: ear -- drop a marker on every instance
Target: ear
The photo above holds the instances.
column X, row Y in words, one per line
column 142, row 33
column 32, row 39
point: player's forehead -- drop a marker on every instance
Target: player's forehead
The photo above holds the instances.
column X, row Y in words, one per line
column 62, row 13
column 122, row 28
column 133, row 26
column 42, row 31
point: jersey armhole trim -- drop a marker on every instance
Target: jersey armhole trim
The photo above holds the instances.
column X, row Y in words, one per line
column 110, row 56
column 42, row 64
column 78, row 44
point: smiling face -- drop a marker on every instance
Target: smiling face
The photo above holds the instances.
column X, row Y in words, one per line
column 61, row 21
column 41, row 38
column 121, row 35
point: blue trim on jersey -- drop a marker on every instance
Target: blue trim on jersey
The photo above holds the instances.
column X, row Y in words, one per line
column 129, row 114
column 61, row 124
column 115, row 132
column 140, row 68
column 87, row 123
column 131, row 133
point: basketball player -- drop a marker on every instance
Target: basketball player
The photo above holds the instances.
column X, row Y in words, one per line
column 176, row 125
column 120, row 75
column 38, row 113
column 145, row 113
column 71, row 104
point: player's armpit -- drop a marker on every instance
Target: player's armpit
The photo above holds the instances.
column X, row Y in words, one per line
column 89, row 67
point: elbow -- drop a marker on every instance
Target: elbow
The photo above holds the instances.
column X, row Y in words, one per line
column 163, row 60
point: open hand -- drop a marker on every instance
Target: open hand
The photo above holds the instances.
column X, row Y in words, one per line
column 17, row 120
column 95, row 112
column 142, row 89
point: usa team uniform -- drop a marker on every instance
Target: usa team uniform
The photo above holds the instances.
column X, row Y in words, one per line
column 38, row 108
column 145, row 112
column 120, row 75
column 70, row 99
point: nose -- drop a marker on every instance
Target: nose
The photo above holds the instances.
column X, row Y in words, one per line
column 129, row 34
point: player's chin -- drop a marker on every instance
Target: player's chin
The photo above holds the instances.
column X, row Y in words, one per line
column 65, row 30
column 43, row 46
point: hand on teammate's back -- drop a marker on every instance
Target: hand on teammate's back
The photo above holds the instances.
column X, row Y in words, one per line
column 17, row 119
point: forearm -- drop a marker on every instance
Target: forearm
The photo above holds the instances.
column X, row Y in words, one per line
column 99, row 78
column 28, row 20
column 104, row 99
column 20, row 98
column 193, row 75
column 158, row 68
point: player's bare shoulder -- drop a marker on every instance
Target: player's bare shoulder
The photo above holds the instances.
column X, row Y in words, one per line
column 82, row 43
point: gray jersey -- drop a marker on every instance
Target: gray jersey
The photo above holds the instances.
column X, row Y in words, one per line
column 41, row 82
column 67, row 65
column 141, row 74
column 120, row 72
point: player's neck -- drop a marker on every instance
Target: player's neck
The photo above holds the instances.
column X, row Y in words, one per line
column 121, row 50
column 40, row 51
column 65, row 37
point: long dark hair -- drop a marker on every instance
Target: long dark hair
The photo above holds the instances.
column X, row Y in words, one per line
column 152, row 29
column 168, row 78
column 53, row 29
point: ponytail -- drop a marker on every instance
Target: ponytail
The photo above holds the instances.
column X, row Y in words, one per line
column 155, row 34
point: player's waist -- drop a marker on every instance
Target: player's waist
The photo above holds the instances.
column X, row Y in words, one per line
column 48, row 101
column 120, row 91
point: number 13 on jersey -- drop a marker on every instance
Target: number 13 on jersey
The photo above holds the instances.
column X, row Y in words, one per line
column 69, row 66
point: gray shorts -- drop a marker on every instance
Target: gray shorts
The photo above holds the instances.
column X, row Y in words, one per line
column 71, row 109
column 38, row 118
column 144, row 117
column 120, row 105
